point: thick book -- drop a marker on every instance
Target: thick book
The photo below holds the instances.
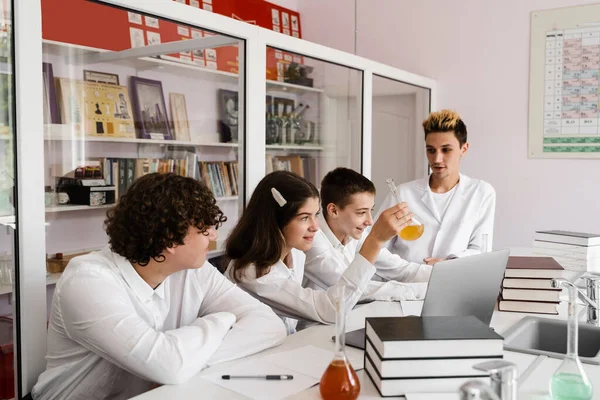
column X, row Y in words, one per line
column 400, row 386
column 568, row 237
column 531, row 294
column 424, row 368
column 432, row 337
column 534, row 307
column 526, row 283
column 567, row 248
column 534, row 267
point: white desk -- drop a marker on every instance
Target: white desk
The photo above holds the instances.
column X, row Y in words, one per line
column 535, row 385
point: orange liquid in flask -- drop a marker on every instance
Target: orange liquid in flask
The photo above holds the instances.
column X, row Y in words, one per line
column 412, row 232
column 339, row 382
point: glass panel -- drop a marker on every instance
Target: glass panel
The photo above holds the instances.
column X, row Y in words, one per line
column 314, row 111
column 7, row 210
column 398, row 140
column 113, row 114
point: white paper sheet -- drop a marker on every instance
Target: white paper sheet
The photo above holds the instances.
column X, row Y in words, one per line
column 432, row 396
column 262, row 389
column 312, row 361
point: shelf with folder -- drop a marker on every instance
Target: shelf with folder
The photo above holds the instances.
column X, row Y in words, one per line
column 59, row 137
column 171, row 65
column 295, row 147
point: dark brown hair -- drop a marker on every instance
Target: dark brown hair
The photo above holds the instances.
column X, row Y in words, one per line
column 258, row 236
column 339, row 185
column 156, row 213
column 446, row 121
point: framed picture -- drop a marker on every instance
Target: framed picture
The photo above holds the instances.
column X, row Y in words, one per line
column 51, row 113
column 149, row 109
column 96, row 109
column 228, row 115
column 100, row 77
column 179, row 116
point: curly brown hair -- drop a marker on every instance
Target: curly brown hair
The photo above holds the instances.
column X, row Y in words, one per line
column 156, row 213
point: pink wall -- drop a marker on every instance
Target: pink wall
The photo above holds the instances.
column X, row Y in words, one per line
column 478, row 52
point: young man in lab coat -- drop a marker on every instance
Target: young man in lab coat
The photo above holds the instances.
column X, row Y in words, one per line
column 347, row 199
column 148, row 308
column 457, row 211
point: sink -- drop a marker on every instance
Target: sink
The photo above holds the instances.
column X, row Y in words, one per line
column 544, row 336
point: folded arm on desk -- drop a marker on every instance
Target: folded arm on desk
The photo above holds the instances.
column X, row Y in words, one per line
column 111, row 327
column 256, row 328
column 305, row 303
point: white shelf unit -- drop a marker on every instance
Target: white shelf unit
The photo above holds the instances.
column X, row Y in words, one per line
column 294, row 147
column 56, row 137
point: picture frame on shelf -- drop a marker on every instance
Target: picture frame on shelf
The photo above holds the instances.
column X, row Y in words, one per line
column 95, row 109
column 150, row 111
column 179, row 116
column 51, row 113
column 100, row 77
column 228, row 115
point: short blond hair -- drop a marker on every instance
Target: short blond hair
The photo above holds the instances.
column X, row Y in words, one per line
column 446, row 121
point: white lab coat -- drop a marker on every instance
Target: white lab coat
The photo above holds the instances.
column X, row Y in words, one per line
column 469, row 215
column 282, row 289
column 328, row 258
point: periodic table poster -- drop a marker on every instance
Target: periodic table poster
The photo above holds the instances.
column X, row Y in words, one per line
column 564, row 91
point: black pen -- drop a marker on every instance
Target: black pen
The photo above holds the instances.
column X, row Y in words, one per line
column 267, row 377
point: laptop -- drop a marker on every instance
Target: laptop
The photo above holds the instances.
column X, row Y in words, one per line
column 461, row 286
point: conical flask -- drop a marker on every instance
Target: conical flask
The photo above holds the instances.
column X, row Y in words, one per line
column 415, row 228
column 339, row 381
column 570, row 381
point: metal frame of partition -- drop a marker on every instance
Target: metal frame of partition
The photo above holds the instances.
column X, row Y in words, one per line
column 30, row 139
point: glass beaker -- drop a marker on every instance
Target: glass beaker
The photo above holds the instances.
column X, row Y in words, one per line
column 414, row 229
column 339, row 381
column 570, row 381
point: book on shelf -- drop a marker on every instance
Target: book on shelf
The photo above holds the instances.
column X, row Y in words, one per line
column 400, row 386
column 432, row 337
column 552, row 295
column 424, row 368
column 534, row 267
column 304, row 166
column 534, row 307
column 568, row 237
column 221, row 177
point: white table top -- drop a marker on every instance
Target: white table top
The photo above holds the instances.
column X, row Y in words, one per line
column 534, row 386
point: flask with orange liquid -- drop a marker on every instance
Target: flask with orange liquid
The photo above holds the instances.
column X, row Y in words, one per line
column 339, row 381
column 414, row 229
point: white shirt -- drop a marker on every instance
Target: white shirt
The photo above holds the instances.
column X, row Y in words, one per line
column 442, row 200
column 456, row 233
column 328, row 258
column 282, row 289
column 111, row 336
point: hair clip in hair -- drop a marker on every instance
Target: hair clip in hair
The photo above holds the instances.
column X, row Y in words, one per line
column 278, row 197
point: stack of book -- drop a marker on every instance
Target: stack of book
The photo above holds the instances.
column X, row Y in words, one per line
column 527, row 285
column 575, row 251
column 427, row 354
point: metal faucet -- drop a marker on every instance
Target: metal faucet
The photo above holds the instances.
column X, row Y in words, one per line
column 503, row 375
column 592, row 283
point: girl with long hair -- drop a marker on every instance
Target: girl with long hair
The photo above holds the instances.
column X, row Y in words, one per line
column 267, row 247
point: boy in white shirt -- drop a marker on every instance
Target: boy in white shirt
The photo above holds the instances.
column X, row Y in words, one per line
column 267, row 246
column 456, row 211
column 347, row 199
column 148, row 308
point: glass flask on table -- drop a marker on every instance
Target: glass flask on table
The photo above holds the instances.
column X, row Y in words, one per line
column 415, row 228
column 339, row 381
column 570, row 381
